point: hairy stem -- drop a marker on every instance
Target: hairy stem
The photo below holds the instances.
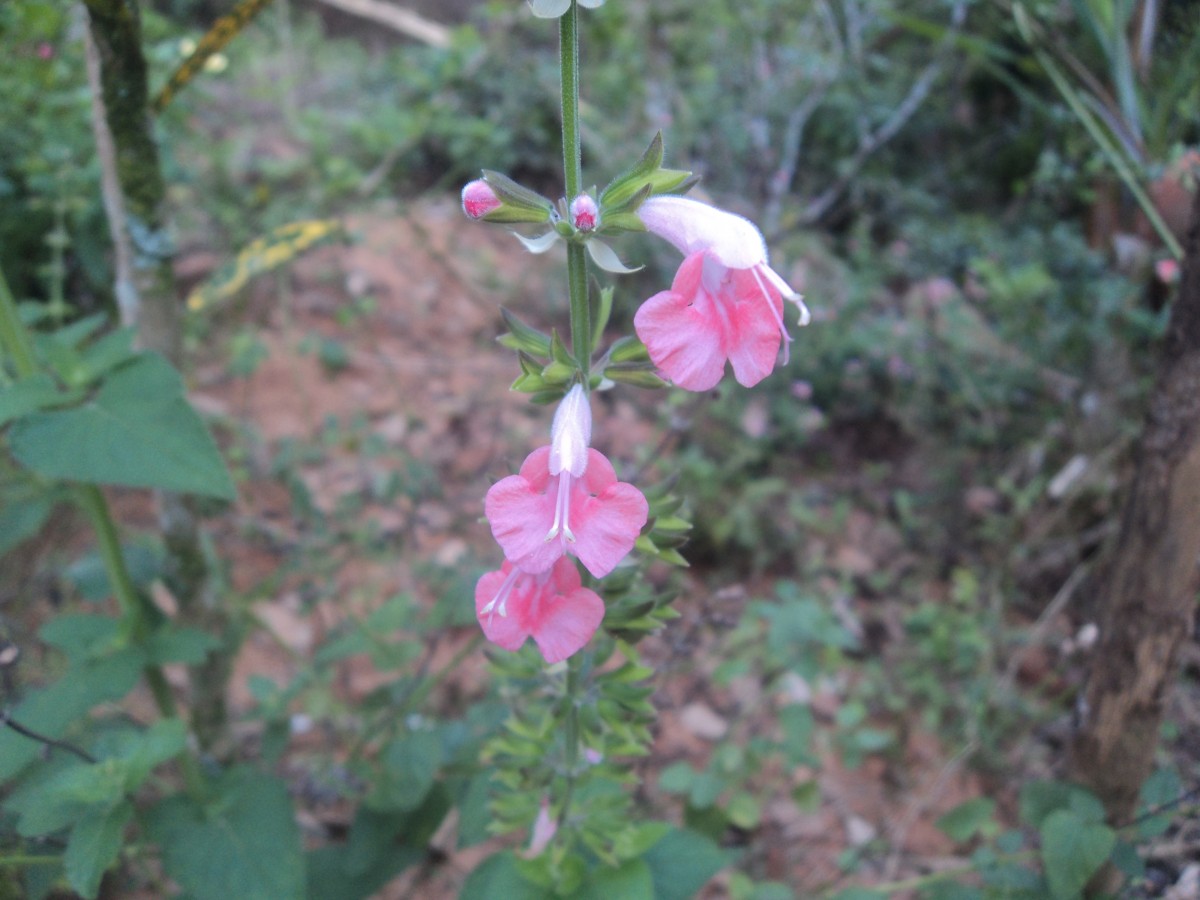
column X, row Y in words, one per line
column 581, row 325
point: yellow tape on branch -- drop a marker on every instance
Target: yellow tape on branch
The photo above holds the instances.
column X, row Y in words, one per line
column 224, row 30
column 262, row 255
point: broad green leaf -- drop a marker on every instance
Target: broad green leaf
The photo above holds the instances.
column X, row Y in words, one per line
column 243, row 843
column 330, row 876
column 1072, row 851
column 162, row 741
column 410, row 765
column 632, row 880
column 173, row 644
column 22, row 515
column 138, row 431
column 498, row 878
column 677, row 778
column 682, row 863
column 1163, row 787
column 967, row 819
column 51, row 710
column 29, row 395
column 93, row 846
column 81, row 635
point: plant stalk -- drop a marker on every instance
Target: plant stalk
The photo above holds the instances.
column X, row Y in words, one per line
column 14, row 339
column 581, row 326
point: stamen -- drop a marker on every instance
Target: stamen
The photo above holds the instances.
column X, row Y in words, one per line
column 499, row 603
column 787, row 338
column 562, row 510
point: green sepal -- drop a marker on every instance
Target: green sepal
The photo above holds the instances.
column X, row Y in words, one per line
column 545, row 398
column 522, row 337
column 559, row 352
column 630, row 181
column 559, row 373
column 601, row 314
column 628, row 349
column 517, row 203
column 638, row 377
column 645, row 178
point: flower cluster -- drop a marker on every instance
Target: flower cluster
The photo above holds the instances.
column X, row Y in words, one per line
column 565, row 501
column 725, row 305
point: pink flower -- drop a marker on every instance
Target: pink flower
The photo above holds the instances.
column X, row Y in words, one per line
column 584, row 213
column 552, row 607
column 537, row 516
column 725, row 303
column 478, row 199
column 588, row 514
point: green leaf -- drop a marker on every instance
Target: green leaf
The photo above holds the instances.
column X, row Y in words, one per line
column 1072, row 851
column 163, row 740
column 29, row 395
column 677, row 778
column 498, row 878
column 93, row 846
column 630, row 881
column 410, row 765
column 50, row 711
column 174, row 644
column 1161, row 788
column 682, row 863
column 524, row 337
column 22, row 515
column 244, row 843
column 138, row 431
column 967, row 819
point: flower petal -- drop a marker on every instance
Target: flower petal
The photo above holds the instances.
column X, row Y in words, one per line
column 520, row 514
column 753, row 345
column 607, row 526
column 539, row 244
column 606, row 258
column 565, row 622
column 693, row 226
column 549, row 9
column 684, row 338
column 504, row 631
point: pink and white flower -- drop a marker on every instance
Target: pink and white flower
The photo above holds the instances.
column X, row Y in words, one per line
column 725, row 303
column 585, row 215
column 552, row 607
column 478, row 199
column 566, row 500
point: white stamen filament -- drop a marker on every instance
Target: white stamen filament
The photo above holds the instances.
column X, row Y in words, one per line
column 499, row 603
column 787, row 338
column 562, row 510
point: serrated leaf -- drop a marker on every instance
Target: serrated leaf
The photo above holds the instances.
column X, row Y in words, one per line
column 138, row 431
column 1073, row 851
column 244, row 843
column 93, row 846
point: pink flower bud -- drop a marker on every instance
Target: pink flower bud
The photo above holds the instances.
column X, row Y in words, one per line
column 584, row 214
column 45, row 51
column 478, row 199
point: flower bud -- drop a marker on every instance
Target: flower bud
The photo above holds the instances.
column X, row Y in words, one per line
column 478, row 199
column 585, row 215
column 571, row 433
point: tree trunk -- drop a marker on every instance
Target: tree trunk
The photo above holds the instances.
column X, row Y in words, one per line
column 135, row 200
column 1148, row 593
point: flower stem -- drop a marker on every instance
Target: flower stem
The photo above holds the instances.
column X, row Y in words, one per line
column 134, row 622
column 581, row 327
column 570, row 736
